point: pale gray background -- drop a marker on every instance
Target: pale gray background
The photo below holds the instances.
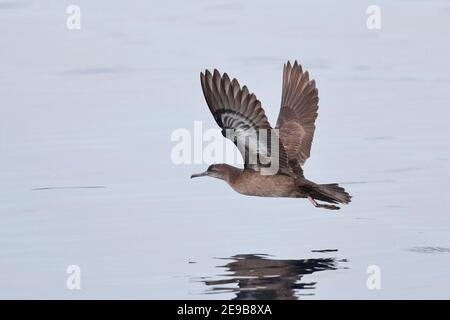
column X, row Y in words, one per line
column 96, row 107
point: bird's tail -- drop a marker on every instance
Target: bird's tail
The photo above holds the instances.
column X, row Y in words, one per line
column 331, row 192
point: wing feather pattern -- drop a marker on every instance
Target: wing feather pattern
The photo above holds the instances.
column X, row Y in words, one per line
column 298, row 113
column 240, row 115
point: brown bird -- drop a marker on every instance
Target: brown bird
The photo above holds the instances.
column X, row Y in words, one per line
column 258, row 277
column 242, row 119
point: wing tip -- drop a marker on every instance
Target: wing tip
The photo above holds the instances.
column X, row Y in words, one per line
column 293, row 65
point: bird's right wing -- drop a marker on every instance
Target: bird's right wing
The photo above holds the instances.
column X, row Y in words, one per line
column 243, row 121
column 298, row 113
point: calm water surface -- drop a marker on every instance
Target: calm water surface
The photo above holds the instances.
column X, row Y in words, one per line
column 86, row 176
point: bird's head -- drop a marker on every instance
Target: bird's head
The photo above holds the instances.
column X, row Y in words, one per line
column 219, row 171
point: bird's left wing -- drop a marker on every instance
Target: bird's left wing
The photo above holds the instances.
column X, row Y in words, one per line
column 242, row 119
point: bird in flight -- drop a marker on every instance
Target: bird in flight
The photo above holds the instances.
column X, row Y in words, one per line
column 273, row 157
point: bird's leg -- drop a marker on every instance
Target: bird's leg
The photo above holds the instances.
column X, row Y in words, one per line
column 320, row 205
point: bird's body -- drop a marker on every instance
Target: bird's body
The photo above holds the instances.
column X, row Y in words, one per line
column 251, row 183
column 284, row 148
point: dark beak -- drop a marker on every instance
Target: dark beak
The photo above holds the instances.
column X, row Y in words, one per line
column 203, row 174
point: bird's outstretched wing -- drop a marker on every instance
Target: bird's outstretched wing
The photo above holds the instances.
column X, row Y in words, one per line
column 297, row 114
column 242, row 119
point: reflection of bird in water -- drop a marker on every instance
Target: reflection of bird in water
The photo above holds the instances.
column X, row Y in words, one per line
column 258, row 277
column 273, row 158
